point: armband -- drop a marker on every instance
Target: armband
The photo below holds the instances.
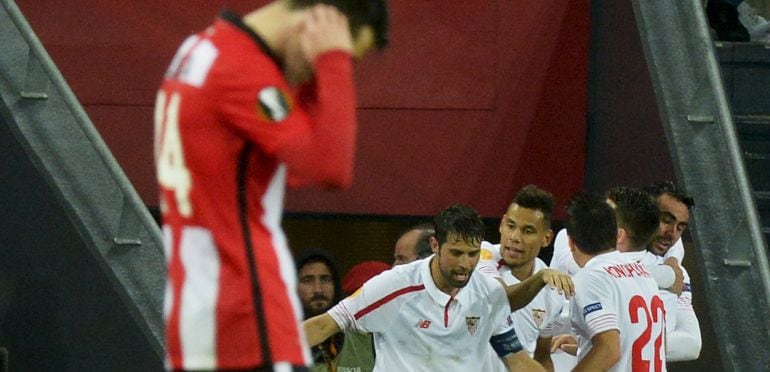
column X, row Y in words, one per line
column 506, row 343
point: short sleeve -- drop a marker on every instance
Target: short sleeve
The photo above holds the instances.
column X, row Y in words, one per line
column 501, row 310
column 562, row 259
column 595, row 303
column 371, row 308
column 488, row 264
column 676, row 251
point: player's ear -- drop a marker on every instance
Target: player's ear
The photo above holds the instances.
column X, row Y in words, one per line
column 434, row 244
column 622, row 236
column 547, row 237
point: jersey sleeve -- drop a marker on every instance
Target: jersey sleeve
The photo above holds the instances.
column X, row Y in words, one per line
column 676, row 251
column 371, row 308
column 562, row 259
column 684, row 302
column 313, row 134
column 596, row 304
column 488, row 261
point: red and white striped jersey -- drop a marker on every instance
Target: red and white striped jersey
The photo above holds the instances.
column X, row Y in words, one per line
column 229, row 131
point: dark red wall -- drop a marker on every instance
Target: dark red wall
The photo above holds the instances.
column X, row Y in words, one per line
column 472, row 100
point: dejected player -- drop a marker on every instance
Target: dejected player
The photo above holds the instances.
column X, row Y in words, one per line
column 247, row 106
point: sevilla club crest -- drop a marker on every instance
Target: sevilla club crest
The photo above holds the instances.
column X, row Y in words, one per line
column 473, row 323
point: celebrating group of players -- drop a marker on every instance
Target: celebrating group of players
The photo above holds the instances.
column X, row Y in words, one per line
column 255, row 103
column 446, row 311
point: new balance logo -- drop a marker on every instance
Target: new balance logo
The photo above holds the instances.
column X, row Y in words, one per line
column 424, row 324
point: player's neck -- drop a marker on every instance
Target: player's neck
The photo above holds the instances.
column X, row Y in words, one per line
column 438, row 279
column 274, row 23
column 524, row 271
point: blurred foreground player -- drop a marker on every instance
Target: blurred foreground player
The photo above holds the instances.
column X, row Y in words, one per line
column 247, row 106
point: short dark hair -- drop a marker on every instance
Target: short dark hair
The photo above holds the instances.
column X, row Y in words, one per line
column 360, row 13
column 668, row 187
column 422, row 247
column 591, row 224
column 460, row 220
column 313, row 255
column 637, row 213
column 535, row 198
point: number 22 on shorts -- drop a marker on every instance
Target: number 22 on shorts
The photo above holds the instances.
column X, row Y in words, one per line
column 171, row 170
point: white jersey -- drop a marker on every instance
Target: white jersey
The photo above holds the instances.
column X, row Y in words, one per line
column 683, row 339
column 417, row 327
column 563, row 261
column 530, row 321
column 613, row 291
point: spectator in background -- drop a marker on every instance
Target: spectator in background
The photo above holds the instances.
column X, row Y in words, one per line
column 414, row 244
column 319, row 288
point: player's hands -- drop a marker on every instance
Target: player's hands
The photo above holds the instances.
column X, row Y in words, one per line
column 323, row 29
column 559, row 281
column 678, row 285
column 565, row 343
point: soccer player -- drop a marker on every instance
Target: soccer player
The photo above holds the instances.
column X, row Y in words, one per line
column 683, row 338
column 616, row 311
column 525, row 229
column 414, row 244
column 246, row 106
column 432, row 314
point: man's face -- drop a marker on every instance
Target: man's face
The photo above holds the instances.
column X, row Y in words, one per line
column 457, row 259
column 522, row 233
column 674, row 219
column 405, row 251
column 316, row 288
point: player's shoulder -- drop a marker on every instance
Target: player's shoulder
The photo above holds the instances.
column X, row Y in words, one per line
column 490, row 253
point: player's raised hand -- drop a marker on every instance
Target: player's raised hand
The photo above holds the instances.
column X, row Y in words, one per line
column 559, row 281
column 323, row 29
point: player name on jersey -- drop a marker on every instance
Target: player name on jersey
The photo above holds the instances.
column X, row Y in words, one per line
column 629, row 270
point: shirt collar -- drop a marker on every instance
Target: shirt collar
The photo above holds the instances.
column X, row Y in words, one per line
column 435, row 293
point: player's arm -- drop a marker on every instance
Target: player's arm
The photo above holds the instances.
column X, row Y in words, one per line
column 543, row 353
column 509, row 349
column 327, row 152
column 604, row 353
column 521, row 361
column 684, row 343
column 519, row 295
column 319, row 328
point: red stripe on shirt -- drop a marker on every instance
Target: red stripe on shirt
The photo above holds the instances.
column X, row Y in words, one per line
column 446, row 312
column 387, row 299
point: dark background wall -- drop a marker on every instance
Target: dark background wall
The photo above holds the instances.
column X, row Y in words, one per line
column 472, row 100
